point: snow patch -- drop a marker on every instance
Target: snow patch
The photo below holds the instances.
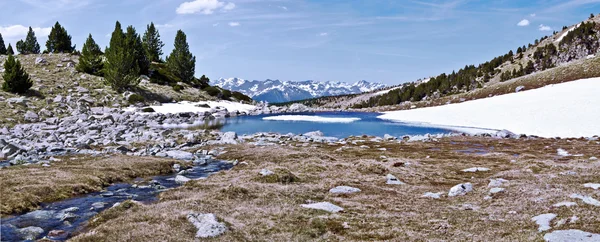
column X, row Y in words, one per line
column 308, row 118
column 562, row 36
column 196, row 107
column 533, row 112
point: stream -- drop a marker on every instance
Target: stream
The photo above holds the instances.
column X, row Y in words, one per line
column 61, row 220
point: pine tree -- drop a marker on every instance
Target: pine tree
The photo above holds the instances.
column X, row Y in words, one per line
column 120, row 69
column 133, row 42
column 16, row 80
column 591, row 15
column 152, row 44
column 2, row 46
column 30, row 45
column 59, row 41
column 9, row 50
column 91, row 58
column 181, row 62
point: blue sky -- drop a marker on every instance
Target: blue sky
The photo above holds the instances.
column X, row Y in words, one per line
column 337, row 40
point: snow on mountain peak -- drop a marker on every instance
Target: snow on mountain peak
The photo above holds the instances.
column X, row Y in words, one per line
column 283, row 91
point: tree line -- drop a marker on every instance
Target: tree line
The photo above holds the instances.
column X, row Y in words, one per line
column 471, row 77
column 128, row 56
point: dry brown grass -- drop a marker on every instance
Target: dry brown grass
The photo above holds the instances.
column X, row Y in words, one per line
column 257, row 210
column 23, row 188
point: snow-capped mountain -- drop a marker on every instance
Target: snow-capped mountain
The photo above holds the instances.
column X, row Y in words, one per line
column 276, row 91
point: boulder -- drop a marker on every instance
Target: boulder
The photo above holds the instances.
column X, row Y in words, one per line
column 543, row 221
column 21, row 101
column 30, row 233
column 207, row 225
column 343, row 190
column 460, row 189
column 392, row 180
column 325, row 206
column 497, row 182
column 180, row 155
column 40, row 60
column 229, row 138
column 519, row 88
column 179, row 179
column 266, row 172
column 571, row 235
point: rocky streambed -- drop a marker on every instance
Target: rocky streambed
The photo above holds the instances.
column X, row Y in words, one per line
column 61, row 220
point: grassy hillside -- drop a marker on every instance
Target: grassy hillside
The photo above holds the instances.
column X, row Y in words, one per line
column 564, row 56
column 56, row 76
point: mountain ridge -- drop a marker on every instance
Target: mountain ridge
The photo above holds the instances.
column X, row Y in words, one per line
column 276, row 91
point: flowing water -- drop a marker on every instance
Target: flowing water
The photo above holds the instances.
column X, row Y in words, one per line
column 71, row 215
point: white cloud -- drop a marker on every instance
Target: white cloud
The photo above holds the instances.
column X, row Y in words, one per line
column 164, row 26
column 545, row 28
column 215, row 24
column 234, row 24
column 532, row 15
column 523, row 22
column 283, row 7
column 323, row 34
column 203, row 7
column 15, row 32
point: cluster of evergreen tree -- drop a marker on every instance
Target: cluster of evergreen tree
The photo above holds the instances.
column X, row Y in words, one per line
column 59, row 41
column 471, row 77
column 16, row 80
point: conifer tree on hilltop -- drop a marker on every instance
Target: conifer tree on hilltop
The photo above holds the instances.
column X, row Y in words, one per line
column 133, row 43
column 16, row 80
column 120, row 69
column 59, row 41
column 9, row 50
column 2, row 46
column 181, row 62
column 90, row 60
column 152, row 43
column 30, row 45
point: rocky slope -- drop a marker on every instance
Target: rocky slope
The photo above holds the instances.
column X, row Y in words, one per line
column 567, row 55
column 276, row 91
column 58, row 89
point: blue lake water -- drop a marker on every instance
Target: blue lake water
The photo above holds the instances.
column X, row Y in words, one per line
column 368, row 124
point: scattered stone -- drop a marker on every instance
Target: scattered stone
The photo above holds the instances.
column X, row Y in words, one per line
column 30, row 233
column 207, row 225
column 392, row 180
column 266, row 172
column 571, row 235
column 562, row 152
column 519, row 88
column 80, row 89
column 496, row 190
column 40, row 60
column 180, row 155
column 497, row 182
column 57, row 234
column 229, row 138
column 476, row 169
column 586, row 199
column 564, row 204
column 21, row 101
column 593, row 158
column 98, row 205
column 31, row 116
column 594, row 186
column 543, row 221
column 343, row 190
column 179, row 179
column 326, row 206
column 436, row 195
column 176, row 167
column 460, row 189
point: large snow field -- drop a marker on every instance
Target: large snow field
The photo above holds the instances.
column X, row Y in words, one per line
column 569, row 109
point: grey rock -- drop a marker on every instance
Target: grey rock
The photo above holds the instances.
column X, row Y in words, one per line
column 392, row 180
column 21, row 101
column 460, row 189
column 266, row 172
column 180, row 155
column 207, row 225
column 325, row 206
column 80, row 89
column 571, row 235
column 40, row 60
column 31, row 116
column 179, row 179
column 344, row 190
column 30, row 233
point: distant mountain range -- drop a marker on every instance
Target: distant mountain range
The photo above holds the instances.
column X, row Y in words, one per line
column 276, row 91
